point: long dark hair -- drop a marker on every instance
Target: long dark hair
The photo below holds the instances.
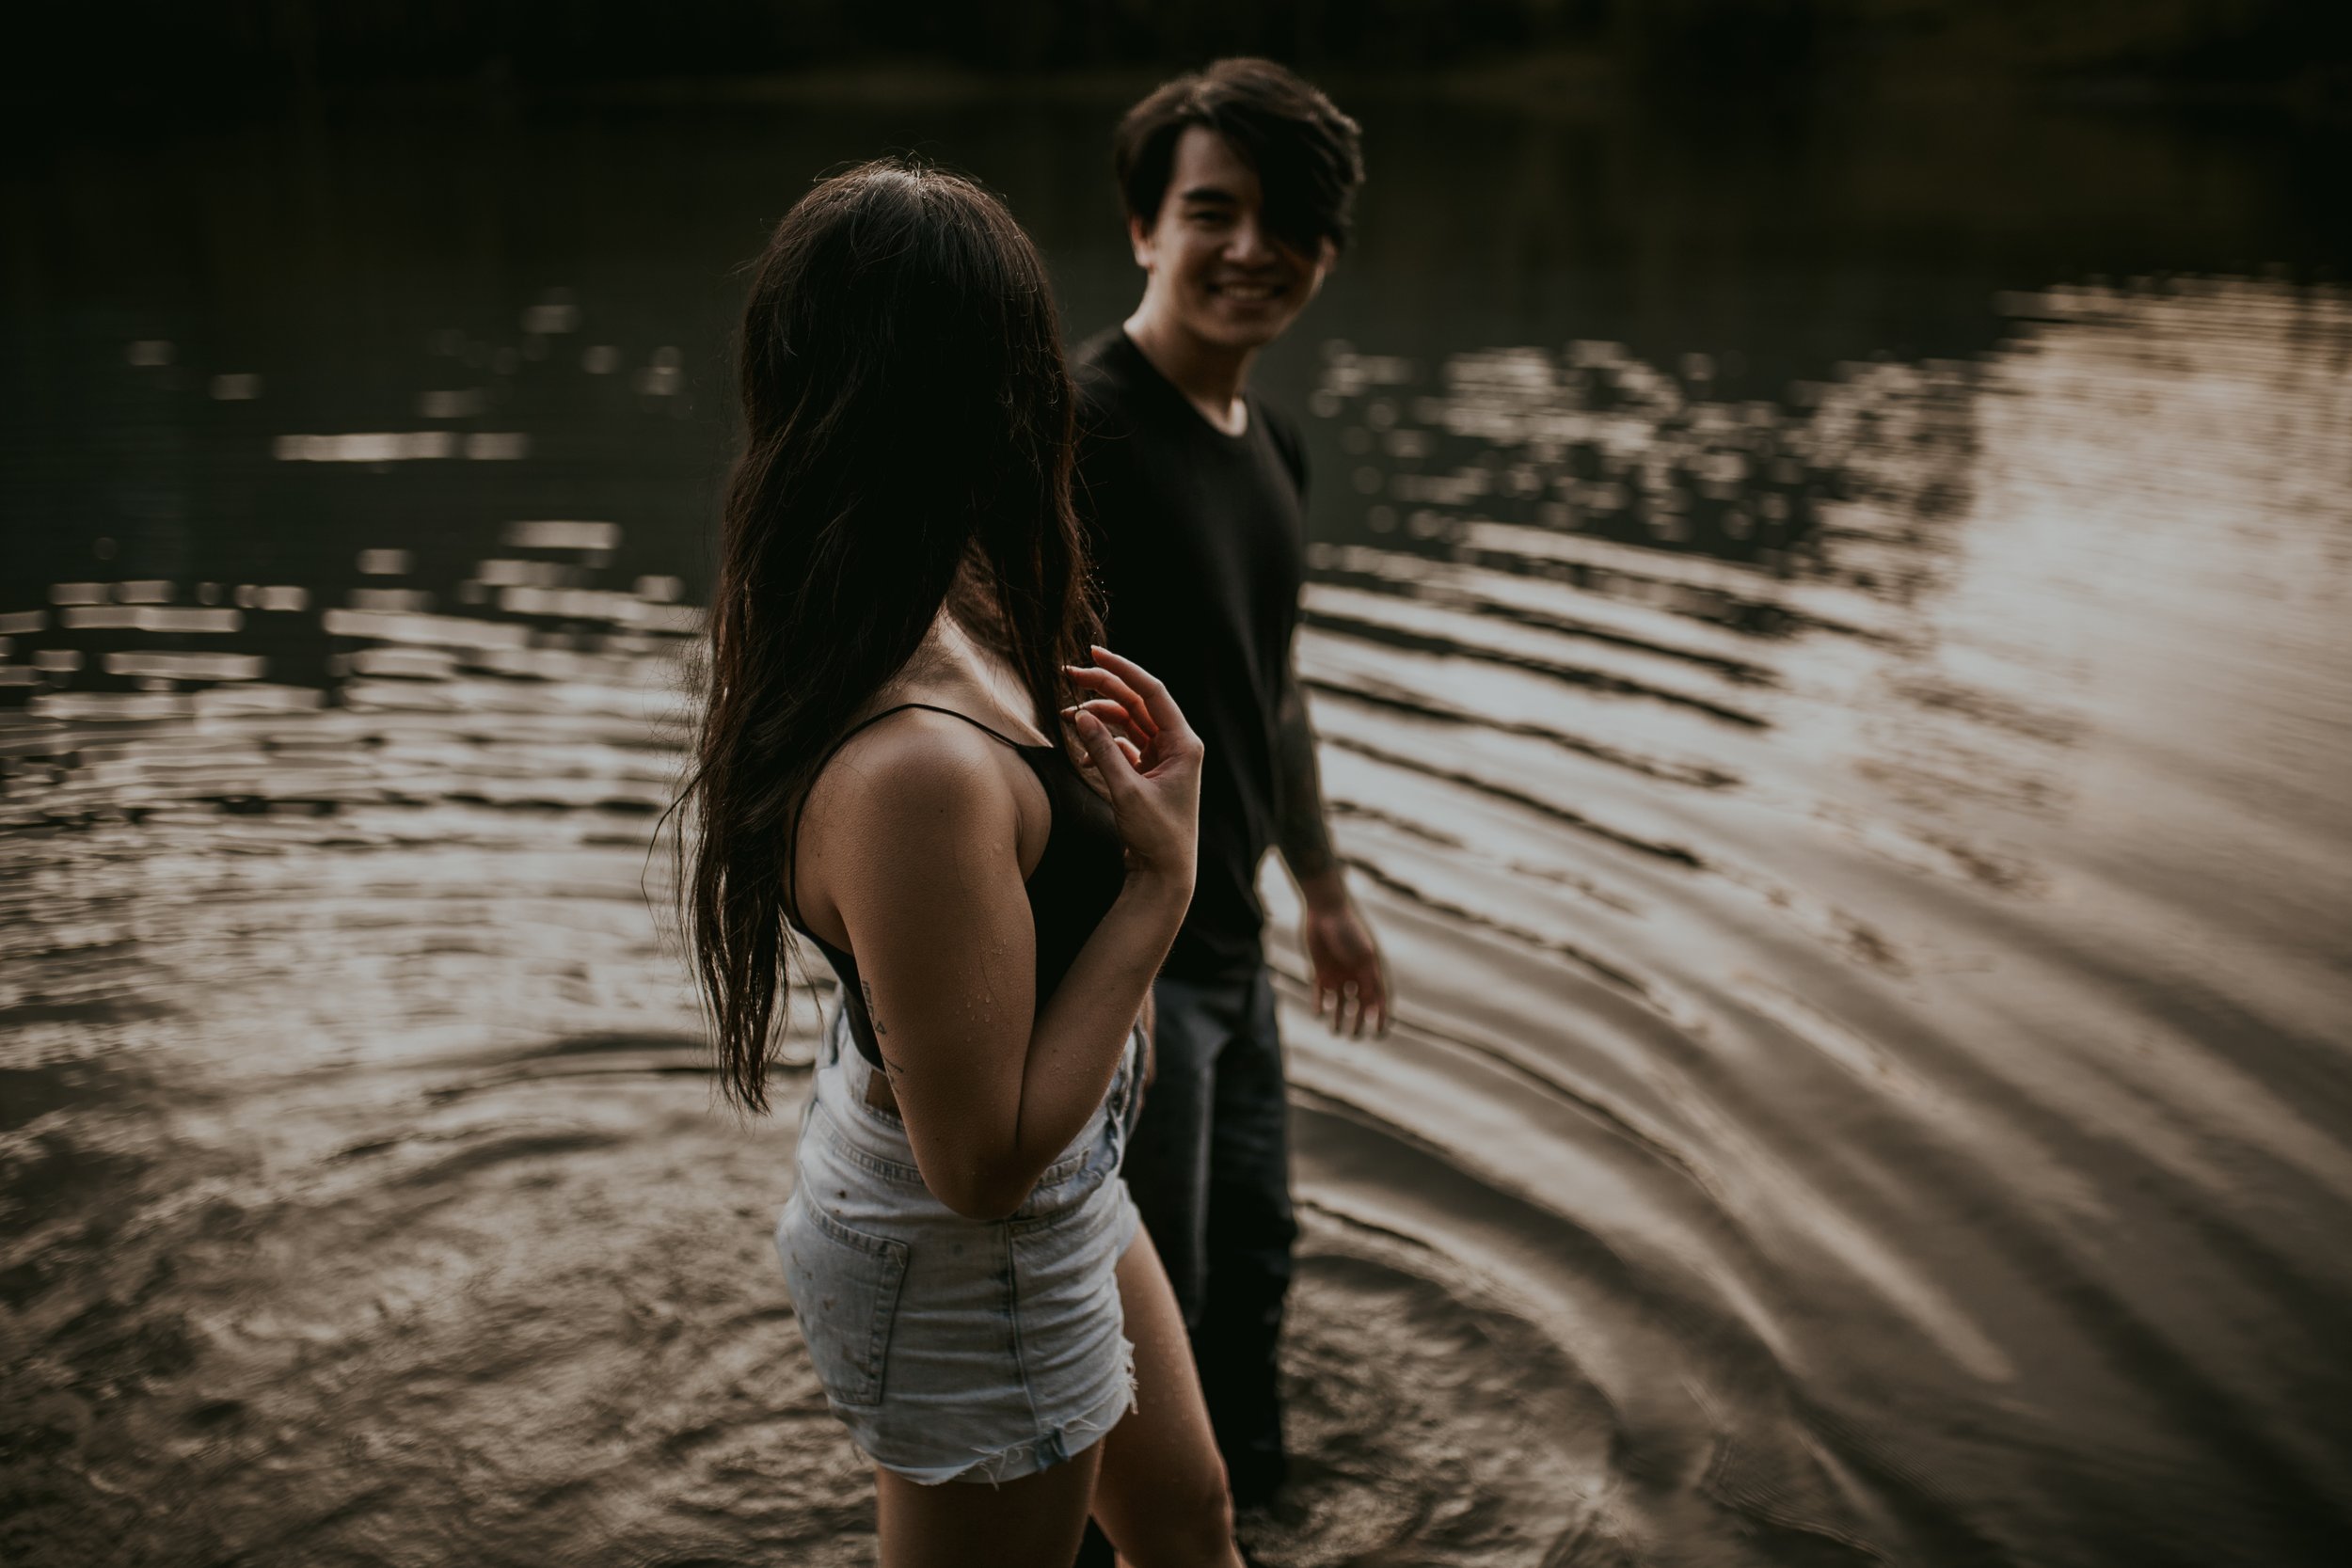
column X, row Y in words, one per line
column 908, row 422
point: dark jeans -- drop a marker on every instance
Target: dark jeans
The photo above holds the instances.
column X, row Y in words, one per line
column 1210, row 1168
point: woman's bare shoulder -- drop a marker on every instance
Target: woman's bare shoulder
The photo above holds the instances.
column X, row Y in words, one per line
column 918, row 759
column 904, row 798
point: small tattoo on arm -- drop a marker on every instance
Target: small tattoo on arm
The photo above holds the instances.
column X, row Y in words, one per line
column 871, row 1017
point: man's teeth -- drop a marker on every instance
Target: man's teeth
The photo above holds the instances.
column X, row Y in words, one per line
column 1248, row 290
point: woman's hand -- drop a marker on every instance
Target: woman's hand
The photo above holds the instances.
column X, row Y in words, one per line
column 1148, row 760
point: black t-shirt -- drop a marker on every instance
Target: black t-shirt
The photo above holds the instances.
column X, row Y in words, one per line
column 1199, row 540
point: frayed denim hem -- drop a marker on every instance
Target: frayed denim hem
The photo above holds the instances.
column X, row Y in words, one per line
column 1014, row 1461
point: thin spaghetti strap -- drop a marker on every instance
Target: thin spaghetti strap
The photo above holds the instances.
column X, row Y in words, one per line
column 929, row 707
column 1016, row 744
column 792, row 894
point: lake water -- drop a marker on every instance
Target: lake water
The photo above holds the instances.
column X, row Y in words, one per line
column 1829, row 631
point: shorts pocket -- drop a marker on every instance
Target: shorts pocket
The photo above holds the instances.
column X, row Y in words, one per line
column 844, row 1291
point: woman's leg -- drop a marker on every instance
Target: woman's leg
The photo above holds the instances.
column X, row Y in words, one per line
column 1161, row 1494
column 1031, row 1523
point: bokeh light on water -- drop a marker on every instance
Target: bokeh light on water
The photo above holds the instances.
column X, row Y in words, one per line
column 1852, row 798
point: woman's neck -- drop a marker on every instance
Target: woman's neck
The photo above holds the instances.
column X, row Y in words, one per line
column 955, row 667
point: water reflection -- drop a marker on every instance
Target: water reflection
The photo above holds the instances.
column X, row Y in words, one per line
column 1860, row 848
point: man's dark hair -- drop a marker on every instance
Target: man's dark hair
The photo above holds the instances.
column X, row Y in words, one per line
column 1308, row 156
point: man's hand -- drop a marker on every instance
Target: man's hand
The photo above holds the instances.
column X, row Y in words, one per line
column 1351, row 978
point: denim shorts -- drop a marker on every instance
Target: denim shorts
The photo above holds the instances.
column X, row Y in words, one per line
column 957, row 1349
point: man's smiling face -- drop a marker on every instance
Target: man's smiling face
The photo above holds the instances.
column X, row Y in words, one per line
column 1222, row 277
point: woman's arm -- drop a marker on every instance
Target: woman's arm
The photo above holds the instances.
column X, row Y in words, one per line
column 992, row 1088
column 1069, row 1069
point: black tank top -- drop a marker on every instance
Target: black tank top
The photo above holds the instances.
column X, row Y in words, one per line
column 1072, row 888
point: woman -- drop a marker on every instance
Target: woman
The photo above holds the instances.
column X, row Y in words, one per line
column 899, row 618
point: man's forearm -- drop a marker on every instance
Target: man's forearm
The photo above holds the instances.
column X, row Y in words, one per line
column 1300, row 829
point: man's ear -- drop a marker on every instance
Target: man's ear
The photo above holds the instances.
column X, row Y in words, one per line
column 1139, row 240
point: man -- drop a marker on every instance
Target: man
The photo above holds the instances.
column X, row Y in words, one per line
column 1237, row 183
